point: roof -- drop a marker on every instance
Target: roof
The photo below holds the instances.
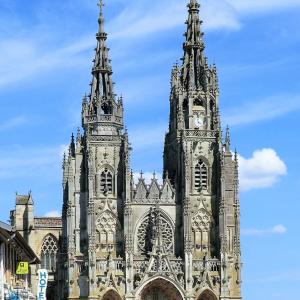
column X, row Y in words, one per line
column 9, row 236
column 5, row 226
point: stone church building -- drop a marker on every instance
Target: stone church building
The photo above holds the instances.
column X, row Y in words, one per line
column 42, row 234
column 130, row 240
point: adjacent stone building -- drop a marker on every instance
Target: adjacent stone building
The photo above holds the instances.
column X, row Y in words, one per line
column 126, row 240
column 42, row 234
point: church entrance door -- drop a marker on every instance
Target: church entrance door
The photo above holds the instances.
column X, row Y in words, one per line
column 160, row 289
column 207, row 295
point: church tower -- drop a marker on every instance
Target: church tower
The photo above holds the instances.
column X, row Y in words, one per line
column 95, row 183
column 203, row 171
column 179, row 240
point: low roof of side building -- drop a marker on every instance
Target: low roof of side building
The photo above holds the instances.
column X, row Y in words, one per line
column 10, row 236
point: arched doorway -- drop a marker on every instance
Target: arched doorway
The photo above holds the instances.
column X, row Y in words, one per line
column 111, row 295
column 207, row 295
column 160, row 289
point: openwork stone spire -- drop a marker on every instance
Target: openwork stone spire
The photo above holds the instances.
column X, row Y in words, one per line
column 194, row 62
column 102, row 84
column 101, row 108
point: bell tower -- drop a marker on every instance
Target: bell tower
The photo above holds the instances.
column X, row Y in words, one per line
column 95, row 184
column 202, row 169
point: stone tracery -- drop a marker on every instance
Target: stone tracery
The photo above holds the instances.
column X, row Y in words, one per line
column 201, row 224
column 146, row 233
column 106, row 225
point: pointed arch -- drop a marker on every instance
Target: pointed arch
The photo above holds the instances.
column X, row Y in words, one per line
column 207, row 295
column 49, row 250
column 106, row 179
column 111, row 295
column 160, row 288
column 201, row 175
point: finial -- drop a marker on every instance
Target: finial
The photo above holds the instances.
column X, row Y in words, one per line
column 101, row 5
column 101, row 33
column 72, row 146
column 227, row 139
column 236, row 155
column 167, row 174
column 78, row 138
column 193, row 5
column 154, row 175
column 142, row 174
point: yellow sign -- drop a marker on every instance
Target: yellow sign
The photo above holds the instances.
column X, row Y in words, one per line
column 22, row 268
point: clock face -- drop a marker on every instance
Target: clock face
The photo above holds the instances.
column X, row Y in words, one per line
column 199, row 122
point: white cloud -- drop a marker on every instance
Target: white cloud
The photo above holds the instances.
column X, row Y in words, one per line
column 147, row 135
column 17, row 65
column 253, row 6
column 262, row 170
column 53, row 214
column 21, row 162
column 13, row 123
column 136, row 20
column 278, row 229
column 262, row 110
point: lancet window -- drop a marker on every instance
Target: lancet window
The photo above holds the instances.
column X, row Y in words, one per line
column 106, row 184
column 201, row 176
column 49, row 253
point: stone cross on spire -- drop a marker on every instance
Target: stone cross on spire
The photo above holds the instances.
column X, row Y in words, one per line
column 101, row 4
column 101, row 32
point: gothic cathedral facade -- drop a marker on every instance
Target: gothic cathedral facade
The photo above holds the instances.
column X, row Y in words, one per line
column 132, row 240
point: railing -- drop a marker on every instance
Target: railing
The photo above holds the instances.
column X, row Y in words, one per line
column 104, row 118
column 202, row 133
column 102, row 265
column 213, row 265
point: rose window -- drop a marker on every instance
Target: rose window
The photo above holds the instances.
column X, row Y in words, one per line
column 147, row 232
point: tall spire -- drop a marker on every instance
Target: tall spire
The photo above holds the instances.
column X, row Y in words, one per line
column 102, row 107
column 102, row 84
column 194, row 62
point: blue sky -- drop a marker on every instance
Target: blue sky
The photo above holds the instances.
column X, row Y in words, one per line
column 46, row 52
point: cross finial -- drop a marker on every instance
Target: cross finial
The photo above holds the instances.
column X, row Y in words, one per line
column 101, row 4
